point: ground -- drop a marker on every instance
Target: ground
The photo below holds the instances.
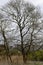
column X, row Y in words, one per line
column 17, row 60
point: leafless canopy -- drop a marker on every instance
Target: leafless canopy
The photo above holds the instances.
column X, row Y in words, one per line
column 26, row 26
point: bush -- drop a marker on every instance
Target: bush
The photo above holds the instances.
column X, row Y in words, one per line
column 37, row 55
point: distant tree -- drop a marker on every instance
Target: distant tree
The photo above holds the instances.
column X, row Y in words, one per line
column 28, row 26
column 3, row 37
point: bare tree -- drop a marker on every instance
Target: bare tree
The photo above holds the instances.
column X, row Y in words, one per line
column 27, row 20
column 3, row 31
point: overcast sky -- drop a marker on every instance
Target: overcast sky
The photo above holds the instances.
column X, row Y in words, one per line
column 35, row 2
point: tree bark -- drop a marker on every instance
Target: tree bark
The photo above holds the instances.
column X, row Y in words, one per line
column 22, row 48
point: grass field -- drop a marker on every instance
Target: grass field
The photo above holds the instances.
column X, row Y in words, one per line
column 17, row 60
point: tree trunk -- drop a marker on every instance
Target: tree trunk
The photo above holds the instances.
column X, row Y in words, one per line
column 22, row 48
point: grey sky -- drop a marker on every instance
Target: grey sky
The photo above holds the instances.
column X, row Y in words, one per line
column 2, row 2
column 35, row 2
